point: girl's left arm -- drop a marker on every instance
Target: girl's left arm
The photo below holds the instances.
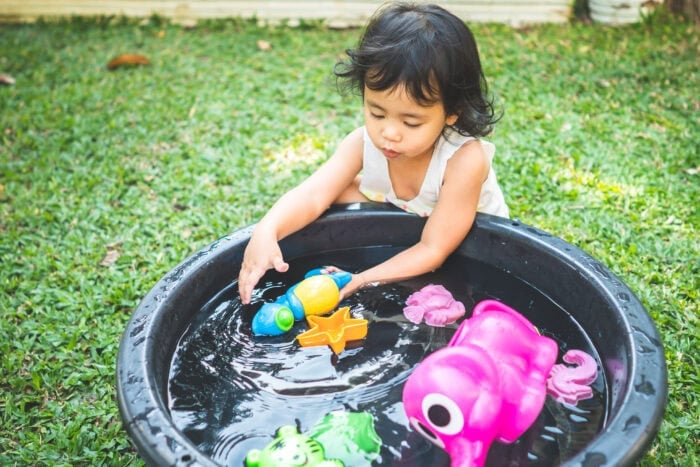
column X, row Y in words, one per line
column 449, row 223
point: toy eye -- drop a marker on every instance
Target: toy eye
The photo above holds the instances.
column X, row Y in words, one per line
column 443, row 414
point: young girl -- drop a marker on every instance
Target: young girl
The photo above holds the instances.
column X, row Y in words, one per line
column 424, row 96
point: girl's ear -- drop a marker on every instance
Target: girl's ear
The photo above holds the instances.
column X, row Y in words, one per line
column 451, row 120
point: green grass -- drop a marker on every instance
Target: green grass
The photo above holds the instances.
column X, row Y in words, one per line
column 109, row 179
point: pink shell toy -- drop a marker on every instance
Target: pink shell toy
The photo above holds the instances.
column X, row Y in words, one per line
column 434, row 303
column 488, row 384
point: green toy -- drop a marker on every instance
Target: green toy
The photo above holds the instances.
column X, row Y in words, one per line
column 291, row 448
column 349, row 436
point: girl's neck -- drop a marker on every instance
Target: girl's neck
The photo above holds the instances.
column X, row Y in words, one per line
column 407, row 175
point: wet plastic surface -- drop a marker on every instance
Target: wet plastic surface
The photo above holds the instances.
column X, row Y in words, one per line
column 619, row 327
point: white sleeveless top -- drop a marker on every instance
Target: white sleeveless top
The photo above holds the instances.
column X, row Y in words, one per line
column 376, row 183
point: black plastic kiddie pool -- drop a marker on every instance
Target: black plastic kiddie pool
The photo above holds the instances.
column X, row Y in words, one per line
column 497, row 253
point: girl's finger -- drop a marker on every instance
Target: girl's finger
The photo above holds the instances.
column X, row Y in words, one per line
column 279, row 265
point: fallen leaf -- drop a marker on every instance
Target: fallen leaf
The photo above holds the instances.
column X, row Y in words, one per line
column 693, row 171
column 670, row 220
column 264, row 45
column 110, row 258
column 112, row 254
column 127, row 60
column 7, row 80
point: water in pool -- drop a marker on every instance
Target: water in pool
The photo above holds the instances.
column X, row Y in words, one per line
column 229, row 391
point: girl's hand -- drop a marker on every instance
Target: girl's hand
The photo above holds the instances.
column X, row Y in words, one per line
column 351, row 287
column 355, row 283
column 260, row 255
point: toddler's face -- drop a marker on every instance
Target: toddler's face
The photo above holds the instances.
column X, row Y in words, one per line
column 399, row 126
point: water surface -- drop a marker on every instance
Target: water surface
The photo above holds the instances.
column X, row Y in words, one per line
column 229, row 390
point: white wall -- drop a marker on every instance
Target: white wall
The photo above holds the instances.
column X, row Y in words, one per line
column 338, row 13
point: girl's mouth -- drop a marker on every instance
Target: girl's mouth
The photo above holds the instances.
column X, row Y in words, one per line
column 389, row 154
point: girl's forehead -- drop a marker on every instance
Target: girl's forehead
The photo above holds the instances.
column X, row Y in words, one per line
column 421, row 85
column 398, row 94
column 398, row 100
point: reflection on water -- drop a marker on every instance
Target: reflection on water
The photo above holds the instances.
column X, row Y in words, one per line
column 229, row 391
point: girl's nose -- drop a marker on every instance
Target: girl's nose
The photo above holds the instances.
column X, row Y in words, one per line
column 391, row 133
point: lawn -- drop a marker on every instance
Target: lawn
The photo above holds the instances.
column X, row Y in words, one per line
column 108, row 179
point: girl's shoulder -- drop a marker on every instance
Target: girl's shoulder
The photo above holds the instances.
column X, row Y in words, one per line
column 452, row 142
column 355, row 137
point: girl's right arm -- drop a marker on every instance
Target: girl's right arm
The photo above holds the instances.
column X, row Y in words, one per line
column 296, row 209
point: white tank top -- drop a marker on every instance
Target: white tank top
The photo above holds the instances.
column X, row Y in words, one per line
column 376, row 183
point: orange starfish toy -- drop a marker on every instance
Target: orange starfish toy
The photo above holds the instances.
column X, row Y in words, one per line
column 334, row 330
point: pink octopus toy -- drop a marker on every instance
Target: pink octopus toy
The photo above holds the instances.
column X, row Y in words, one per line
column 488, row 384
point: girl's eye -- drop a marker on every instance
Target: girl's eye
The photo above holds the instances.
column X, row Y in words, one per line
column 377, row 116
column 412, row 125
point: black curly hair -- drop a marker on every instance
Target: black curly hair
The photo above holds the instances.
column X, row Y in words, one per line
column 432, row 53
